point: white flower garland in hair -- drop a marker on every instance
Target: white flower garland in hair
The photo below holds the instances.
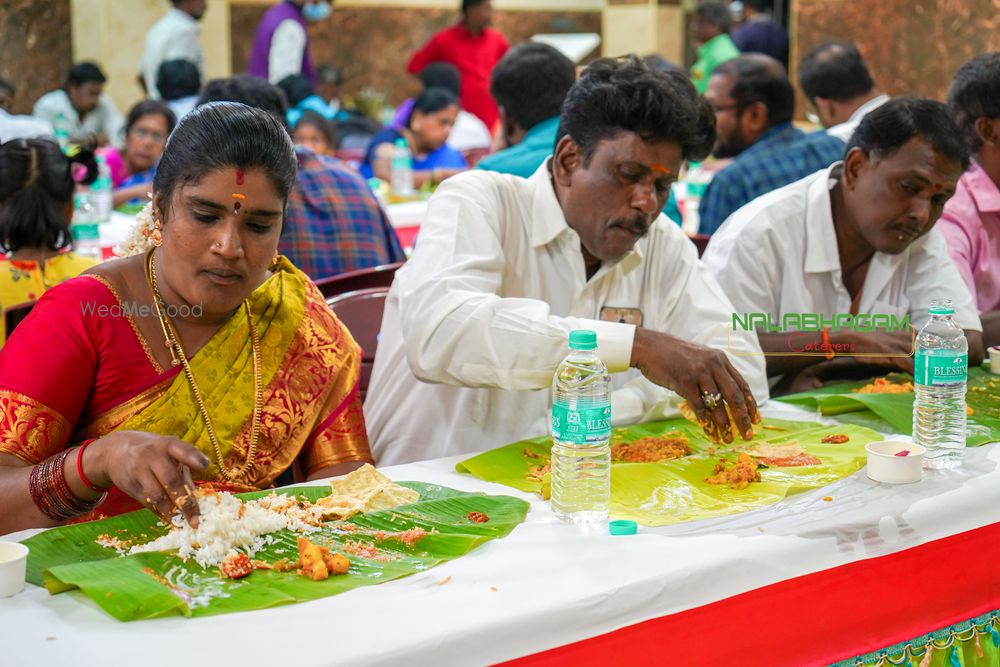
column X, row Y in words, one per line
column 139, row 239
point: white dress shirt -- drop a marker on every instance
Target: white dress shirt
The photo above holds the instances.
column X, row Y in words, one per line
column 56, row 109
column 477, row 321
column 844, row 131
column 23, row 127
column 288, row 48
column 176, row 36
column 779, row 254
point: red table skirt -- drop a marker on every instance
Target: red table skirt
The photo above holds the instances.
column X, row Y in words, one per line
column 816, row 619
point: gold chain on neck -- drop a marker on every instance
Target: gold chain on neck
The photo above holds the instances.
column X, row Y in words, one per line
column 173, row 341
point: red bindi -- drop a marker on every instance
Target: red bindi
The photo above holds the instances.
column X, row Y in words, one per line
column 937, row 186
column 239, row 177
column 236, row 206
column 660, row 168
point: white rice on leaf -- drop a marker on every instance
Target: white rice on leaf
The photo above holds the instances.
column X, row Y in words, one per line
column 228, row 525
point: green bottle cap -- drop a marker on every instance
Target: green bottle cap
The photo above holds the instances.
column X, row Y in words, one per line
column 941, row 310
column 582, row 339
column 623, row 527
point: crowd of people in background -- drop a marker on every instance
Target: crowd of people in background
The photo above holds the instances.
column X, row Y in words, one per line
column 488, row 106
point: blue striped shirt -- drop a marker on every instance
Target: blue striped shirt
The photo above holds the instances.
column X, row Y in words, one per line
column 782, row 155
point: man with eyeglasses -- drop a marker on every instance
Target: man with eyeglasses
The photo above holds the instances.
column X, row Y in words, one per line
column 754, row 103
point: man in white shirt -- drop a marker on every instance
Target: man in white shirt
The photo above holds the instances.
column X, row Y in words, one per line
column 838, row 85
column 80, row 111
column 858, row 239
column 176, row 36
column 506, row 267
column 18, row 127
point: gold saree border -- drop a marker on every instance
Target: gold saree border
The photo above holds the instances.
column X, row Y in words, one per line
column 29, row 429
column 135, row 328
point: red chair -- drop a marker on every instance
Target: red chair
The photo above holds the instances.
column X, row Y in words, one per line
column 361, row 312
column 379, row 276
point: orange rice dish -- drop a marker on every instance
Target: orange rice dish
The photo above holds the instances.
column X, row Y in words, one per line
column 651, row 449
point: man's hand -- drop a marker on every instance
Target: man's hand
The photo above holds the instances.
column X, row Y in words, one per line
column 693, row 370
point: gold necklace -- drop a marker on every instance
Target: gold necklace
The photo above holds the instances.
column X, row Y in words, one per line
column 173, row 341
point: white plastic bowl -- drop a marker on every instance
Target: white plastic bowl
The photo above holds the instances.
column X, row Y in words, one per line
column 13, row 564
column 994, row 359
column 884, row 466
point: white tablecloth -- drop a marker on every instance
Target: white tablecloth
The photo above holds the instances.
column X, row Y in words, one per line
column 554, row 584
column 407, row 214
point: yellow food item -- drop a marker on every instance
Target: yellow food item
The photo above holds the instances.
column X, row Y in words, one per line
column 338, row 564
column 883, row 386
column 364, row 490
column 711, row 428
column 319, row 571
column 316, row 561
column 739, row 475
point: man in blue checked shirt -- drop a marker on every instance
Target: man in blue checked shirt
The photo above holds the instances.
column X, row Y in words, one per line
column 754, row 103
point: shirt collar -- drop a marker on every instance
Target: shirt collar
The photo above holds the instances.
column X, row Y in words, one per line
column 822, row 253
column 547, row 219
column 982, row 188
column 867, row 108
column 548, row 222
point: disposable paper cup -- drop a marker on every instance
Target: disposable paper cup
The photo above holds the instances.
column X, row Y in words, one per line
column 995, row 359
column 885, row 466
column 13, row 562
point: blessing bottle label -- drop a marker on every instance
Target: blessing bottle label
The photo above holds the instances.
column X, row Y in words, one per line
column 583, row 427
column 936, row 370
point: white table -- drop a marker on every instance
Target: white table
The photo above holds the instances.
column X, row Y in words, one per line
column 554, row 584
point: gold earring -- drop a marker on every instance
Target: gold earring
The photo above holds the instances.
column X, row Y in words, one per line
column 157, row 236
column 274, row 260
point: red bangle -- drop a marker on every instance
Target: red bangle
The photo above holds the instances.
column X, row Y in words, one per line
column 830, row 354
column 79, row 470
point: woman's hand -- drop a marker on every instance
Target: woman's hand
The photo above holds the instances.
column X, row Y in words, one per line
column 692, row 371
column 153, row 469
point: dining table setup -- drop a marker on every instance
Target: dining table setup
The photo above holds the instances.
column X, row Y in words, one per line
column 809, row 566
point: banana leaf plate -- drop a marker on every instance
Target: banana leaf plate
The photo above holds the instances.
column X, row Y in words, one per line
column 148, row 585
column 893, row 413
column 668, row 492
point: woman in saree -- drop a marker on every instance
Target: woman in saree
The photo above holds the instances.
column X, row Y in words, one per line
column 202, row 358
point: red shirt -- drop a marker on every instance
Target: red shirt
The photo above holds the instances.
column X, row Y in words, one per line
column 475, row 56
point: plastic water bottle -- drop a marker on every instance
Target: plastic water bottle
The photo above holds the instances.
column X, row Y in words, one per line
column 696, row 183
column 941, row 366
column 100, row 191
column 402, row 170
column 61, row 130
column 581, row 433
column 85, row 227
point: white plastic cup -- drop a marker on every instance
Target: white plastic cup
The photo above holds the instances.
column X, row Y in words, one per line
column 884, row 466
column 13, row 566
column 994, row 359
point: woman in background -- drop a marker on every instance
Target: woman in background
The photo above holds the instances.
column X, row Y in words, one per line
column 36, row 206
column 315, row 133
column 132, row 168
column 426, row 134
